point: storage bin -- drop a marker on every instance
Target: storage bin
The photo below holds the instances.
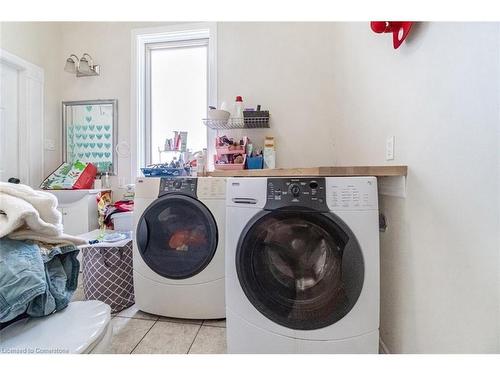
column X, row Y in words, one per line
column 256, row 119
column 230, row 150
column 107, row 274
column 230, row 167
column 123, row 221
column 255, row 162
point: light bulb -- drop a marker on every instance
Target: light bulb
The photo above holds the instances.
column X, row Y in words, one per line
column 70, row 66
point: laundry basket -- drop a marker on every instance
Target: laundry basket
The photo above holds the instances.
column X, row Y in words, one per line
column 107, row 274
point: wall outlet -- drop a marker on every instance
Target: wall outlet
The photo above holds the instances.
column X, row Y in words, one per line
column 389, row 148
column 50, row 145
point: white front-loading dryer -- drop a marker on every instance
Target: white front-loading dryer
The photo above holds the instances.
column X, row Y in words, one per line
column 302, row 265
column 179, row 246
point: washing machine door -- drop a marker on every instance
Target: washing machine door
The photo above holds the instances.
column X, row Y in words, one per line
column 302, row 270
column 177, row 236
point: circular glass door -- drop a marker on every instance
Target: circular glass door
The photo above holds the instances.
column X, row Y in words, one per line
column 302, row 270
column 177, row 236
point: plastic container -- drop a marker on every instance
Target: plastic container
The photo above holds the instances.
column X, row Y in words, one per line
column 201, row 162
column 255, row 162
column 231, row 150
column 269, row 153
column 105, row 183
column 218, row 114
column 256, row 119
column 230, row 167
column 238, row 107
column 123, row 221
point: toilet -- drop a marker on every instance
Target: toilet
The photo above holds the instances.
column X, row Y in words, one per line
column 82, row 327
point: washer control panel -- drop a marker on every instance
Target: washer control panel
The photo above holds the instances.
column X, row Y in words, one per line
column 182, row 185
column 298, row 192
column 353, row 193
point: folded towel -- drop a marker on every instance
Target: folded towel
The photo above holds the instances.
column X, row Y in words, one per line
column 27, row 214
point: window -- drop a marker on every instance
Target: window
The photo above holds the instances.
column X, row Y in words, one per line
column 177, row 86
column 175, row 82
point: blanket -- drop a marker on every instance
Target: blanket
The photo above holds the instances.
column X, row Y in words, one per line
column 28, row 214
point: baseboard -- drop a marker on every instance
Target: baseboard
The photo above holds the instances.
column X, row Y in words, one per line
column 382, row 347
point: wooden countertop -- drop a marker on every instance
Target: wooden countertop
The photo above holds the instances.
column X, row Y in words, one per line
column 375, row 170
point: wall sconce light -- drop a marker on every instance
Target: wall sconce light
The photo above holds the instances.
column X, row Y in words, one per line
column 83, row 67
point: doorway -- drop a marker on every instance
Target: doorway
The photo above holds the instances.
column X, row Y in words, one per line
column 9, row 125
column 21, row 120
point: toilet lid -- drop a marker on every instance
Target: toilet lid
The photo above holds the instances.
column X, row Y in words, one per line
column 76, row 329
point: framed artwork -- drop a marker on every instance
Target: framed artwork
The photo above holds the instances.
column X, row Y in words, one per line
column 90, row 132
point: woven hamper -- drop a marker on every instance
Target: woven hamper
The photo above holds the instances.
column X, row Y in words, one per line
column 107, row 275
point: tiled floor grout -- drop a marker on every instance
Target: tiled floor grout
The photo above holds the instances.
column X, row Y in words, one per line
column 174, row 320
column 216, row 327
column 212, row 325
column 195, row 336
column 142, row 338
column 133, row 317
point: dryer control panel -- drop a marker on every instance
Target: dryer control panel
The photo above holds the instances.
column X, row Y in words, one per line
column 180, row 185
column 296, row 192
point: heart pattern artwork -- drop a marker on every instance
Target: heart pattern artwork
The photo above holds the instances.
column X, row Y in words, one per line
column 90, row 138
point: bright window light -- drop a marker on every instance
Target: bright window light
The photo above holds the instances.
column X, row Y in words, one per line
column 179, row 89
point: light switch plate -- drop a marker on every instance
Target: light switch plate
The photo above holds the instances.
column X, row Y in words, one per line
column 389, row 148
column 50, row 145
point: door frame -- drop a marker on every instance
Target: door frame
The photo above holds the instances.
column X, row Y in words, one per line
column 30, row 118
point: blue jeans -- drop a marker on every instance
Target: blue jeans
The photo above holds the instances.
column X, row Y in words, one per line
column 35, row 282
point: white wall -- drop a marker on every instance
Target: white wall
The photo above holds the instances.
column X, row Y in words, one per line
column 39, row 43
column 439, row 95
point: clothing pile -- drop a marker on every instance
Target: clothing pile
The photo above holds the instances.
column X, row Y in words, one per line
column 116, row 208
column 38, row 265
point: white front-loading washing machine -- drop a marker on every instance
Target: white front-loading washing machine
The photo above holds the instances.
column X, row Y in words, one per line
column 179, row 249
column 302, row 265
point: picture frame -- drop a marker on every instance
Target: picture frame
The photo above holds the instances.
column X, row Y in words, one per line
column 90, row 133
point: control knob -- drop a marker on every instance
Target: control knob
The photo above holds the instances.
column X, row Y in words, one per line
column 295, row 190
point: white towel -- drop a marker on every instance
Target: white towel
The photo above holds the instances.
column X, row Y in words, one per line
column 28, row 214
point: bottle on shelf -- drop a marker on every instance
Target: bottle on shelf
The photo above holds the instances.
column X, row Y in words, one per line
column 201, row 161
column 269, row 153
column 238, row 107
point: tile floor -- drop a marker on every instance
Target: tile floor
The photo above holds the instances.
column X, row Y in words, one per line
column 135, row 331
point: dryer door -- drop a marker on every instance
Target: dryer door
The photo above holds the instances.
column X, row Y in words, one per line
column 302, row 270
column 177, row 236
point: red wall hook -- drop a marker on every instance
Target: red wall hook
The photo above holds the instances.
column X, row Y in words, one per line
column 399, row 30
